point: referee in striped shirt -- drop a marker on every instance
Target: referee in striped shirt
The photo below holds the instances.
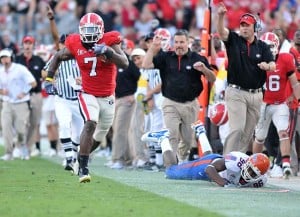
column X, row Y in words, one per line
column 66, row 101
column 67, row 108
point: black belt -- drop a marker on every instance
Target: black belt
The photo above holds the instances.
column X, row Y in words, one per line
column 245, row 89
column 34, row 93
column 104, row 96
column 179, row 100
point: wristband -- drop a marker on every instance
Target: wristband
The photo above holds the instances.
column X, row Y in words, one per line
column 49, row 79
column 50, row 75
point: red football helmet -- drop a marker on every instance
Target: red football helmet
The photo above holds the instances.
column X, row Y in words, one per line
column 272, row 40
column 91, row 28
column 256, row 166
column 218, row 113
column 165, row 36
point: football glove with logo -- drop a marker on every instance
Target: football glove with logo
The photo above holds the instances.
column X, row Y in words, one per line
column 102, row 49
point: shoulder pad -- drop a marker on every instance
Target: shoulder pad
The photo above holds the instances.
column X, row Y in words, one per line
column 111, row 38
column 71, row 39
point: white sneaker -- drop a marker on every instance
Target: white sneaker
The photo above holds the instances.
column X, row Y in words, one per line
column 155, row 136
column 148, row 166
column 50, row 153
column 17, row 153
column 276, row 172
column 35, row 152
column 140, row 163
column 117, row 165
column 104, row 152
column 64, row 163
column 72, row 166
column 6, row 157
column 287, row 171
column 76, row 167
column 25, row 153
column 109, row 163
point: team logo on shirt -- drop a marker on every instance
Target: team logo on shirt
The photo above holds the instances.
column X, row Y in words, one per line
column 80, row 52
column 258, row 56
column 110, row 102
column 188, row 67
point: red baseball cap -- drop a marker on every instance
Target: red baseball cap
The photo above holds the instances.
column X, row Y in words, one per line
column 128, row 43
column 28, row 39
column 249, row 19
column 216, row 35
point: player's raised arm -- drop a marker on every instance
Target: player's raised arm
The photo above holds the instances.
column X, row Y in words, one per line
column 61, row 55
column 222, row 30
column 152, row 51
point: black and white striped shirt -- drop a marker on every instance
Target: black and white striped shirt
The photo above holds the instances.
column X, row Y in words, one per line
column 67, row 69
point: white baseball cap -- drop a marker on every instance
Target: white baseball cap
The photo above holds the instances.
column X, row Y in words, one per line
column 5, row 53
column 138, row 52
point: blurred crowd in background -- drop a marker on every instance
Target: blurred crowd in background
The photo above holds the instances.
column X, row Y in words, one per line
column 135, row 18
column 28, row 20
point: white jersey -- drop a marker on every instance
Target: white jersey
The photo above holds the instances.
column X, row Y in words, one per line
column 154, row 79
column 65, row 80
column 233, row 163
column 16, row 79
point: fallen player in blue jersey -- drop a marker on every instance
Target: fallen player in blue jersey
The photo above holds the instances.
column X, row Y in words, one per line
column 234, row 169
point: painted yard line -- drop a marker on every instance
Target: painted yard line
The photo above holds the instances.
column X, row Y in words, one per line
column 231, row 202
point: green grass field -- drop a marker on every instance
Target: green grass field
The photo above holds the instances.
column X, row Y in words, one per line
column 41, row 188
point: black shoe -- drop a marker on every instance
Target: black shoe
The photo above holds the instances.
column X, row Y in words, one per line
column 150, row 167
column 84, row 175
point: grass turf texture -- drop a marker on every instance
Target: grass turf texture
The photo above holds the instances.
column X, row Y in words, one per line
column 38, row 188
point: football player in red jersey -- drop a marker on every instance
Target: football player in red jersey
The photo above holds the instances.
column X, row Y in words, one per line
column 97, row 54
column 274, row 107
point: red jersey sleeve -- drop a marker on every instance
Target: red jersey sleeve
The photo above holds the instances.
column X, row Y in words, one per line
column 111, row 38
column 289, row 62
column 72, row 40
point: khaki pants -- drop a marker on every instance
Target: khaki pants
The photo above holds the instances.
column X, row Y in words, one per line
column 243, row 113
column 137, row 129
column 121, row 128
column 36, row 103
column 15, row 122
column 178, row 119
